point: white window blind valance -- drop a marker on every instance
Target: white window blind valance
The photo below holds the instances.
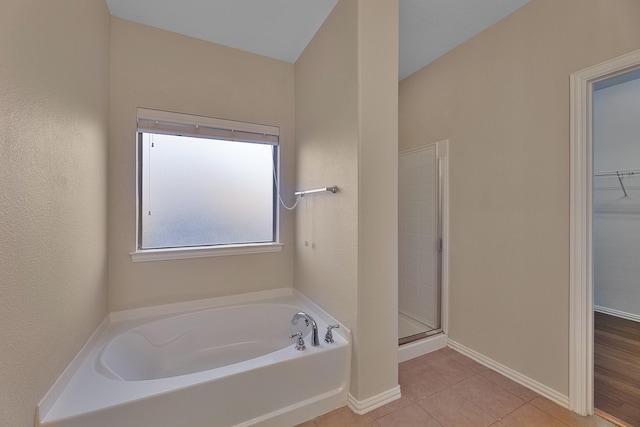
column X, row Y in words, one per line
column 165, row 122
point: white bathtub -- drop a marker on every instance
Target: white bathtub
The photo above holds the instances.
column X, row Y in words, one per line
column 225, row 365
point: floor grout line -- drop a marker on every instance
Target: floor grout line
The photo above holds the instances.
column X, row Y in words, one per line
column 415, row 374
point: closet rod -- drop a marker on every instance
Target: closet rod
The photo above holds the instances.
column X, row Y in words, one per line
column 619, row 173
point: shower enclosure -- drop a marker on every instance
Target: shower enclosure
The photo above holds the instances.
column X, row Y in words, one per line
column 420, row 244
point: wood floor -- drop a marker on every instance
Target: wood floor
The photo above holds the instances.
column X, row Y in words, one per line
column 617, row 367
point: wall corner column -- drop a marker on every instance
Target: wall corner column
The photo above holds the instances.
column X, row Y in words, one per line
column 376, row 349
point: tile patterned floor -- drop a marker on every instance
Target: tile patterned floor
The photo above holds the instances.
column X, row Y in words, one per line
column 445, row 388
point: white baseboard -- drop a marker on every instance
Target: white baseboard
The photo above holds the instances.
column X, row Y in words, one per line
column 361, row 407
column 424, row 346
column 531, row 384
column 617, row 313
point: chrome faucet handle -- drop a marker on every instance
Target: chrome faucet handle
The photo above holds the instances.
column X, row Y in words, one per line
column 308, row 320
column 300, row 344
column 328, row 338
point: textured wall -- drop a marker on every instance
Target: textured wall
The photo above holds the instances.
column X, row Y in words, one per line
column 54, row 65
column 158, row 69
column 502, row 99
column 346, row 134
column 377, row 198
column 326, row 269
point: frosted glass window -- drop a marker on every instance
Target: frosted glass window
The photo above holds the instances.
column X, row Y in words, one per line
column 205, row 192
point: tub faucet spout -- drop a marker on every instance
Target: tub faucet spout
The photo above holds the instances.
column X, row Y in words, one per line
column 315, row 342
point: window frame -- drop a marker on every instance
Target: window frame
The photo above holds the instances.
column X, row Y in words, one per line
column 211, row 128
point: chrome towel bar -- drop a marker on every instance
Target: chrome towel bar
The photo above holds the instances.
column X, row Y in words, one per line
column 332, row 189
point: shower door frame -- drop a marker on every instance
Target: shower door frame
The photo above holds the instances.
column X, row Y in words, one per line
column 442, row 226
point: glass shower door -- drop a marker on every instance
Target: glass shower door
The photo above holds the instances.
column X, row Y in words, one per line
column 418, row 245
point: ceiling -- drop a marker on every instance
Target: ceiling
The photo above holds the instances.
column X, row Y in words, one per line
column 281, row 29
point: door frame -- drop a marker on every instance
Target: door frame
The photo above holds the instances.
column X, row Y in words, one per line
column 581, row 227
column 442, row 164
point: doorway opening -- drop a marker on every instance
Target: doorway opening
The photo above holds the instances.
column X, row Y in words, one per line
column 616, row 246
column 581, row 315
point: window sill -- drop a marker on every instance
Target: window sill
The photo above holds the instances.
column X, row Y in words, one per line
column 203, row 252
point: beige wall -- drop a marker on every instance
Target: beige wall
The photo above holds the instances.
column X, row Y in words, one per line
column 327, row 154
column 346, row 134
column 502, row 99
column 377, row 364
column 161, row 70
column 54, row 65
